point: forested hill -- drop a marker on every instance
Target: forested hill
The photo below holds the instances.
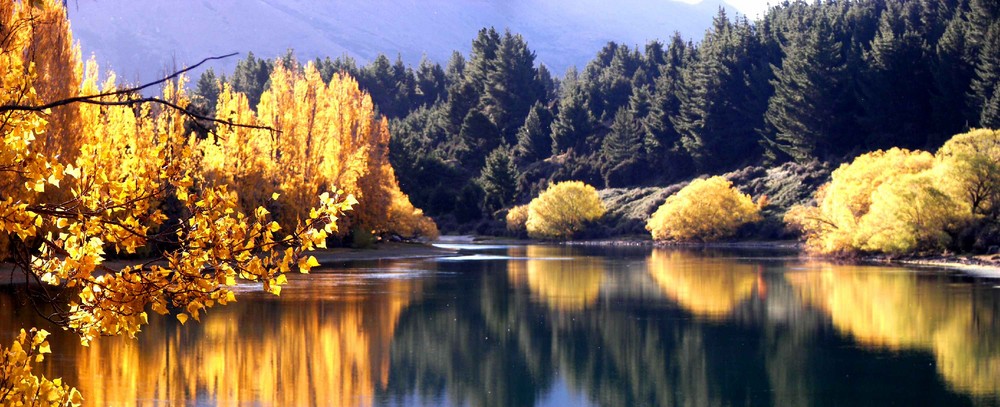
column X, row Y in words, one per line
column 145, row 37
column 810, row 84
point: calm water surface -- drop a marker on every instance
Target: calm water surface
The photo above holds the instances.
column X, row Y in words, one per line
column 558, row 326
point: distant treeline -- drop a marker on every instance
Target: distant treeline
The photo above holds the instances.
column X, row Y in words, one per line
column 819, row 81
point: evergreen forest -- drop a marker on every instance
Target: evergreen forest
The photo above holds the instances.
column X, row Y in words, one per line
column 807, row 86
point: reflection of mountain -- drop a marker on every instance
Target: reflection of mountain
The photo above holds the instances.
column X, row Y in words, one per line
column 303, row 352
column 705, row 286
column 566, row 283
column 901, row 311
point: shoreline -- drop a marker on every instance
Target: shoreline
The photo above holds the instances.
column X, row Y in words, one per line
column 984, row 266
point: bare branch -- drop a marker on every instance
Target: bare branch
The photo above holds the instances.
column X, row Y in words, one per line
column 120, row 92
column 100, row 99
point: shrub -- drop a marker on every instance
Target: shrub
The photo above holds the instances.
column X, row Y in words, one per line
column 705, row 210
column 516, row 218
column 885, row 202
column 562, row 210
column 971, row 166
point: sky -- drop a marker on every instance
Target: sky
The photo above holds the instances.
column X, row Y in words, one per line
column 752, row 8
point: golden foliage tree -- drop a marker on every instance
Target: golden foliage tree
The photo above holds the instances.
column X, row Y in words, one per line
column 119, row 158
column 563, row 209
column 885, row 201
column 971, row 169
column 323, row 134
column 705, row 210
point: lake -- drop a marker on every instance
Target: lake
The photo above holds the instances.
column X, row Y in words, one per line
column 562, row 326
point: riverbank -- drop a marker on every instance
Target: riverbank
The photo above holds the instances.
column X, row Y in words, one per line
column 986, row 266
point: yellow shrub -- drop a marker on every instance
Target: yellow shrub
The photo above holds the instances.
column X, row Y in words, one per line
column 517, row 217
column 706, row 210
column 884, row 201
column 908, row 214
column 562, row 210
column 971, row 170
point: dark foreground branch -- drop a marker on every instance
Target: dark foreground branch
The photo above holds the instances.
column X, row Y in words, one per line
column 102, row 99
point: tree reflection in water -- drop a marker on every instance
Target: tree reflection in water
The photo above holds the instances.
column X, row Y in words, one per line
column 602, row 327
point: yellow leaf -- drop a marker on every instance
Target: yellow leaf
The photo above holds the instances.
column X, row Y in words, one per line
column 275, row 196
column 44, row 348
column 72, row 171
column 183, row 318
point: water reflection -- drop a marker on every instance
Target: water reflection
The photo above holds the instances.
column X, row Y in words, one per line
column 553, row 325
column 300, row 349
column 561, row 282
column 706, row 286
column 900, row 310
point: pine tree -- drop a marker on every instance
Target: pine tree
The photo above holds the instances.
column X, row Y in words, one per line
column 990, row 117
column 808, row 89
column 430, row 83
column 510, row 86
column 455, row 70
column 625, row 139
column 250, row 77
column 480, row 136
column 574, row 122
column 549, row 84
column 896, row 98
column 952, row 69
column 985, row 83
column 206, row 94
column 703, row 99
column 498, row 179
column 533, row 140
column 660, row 135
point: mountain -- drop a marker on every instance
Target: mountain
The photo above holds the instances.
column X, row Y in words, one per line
column 140, row 40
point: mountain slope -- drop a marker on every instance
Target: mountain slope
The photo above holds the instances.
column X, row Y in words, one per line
column 142, row 39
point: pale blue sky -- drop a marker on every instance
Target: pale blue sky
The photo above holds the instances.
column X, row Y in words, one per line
column 752, row 8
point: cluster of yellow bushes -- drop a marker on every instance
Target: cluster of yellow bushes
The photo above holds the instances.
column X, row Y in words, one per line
column 896, row 201
column 559, row 212
column 900, row 201
column 706, row 210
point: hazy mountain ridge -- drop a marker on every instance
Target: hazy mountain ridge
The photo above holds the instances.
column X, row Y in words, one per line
column 141, row 40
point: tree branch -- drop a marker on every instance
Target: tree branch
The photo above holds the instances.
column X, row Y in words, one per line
column 98, row 99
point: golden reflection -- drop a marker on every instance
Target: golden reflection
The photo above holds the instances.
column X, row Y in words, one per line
column 561, row 282
column 303, row 352
column 705, row 286
column 901, row 311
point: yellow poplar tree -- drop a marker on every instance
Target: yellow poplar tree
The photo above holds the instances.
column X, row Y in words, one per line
column 323, row 134
column 120, row 158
